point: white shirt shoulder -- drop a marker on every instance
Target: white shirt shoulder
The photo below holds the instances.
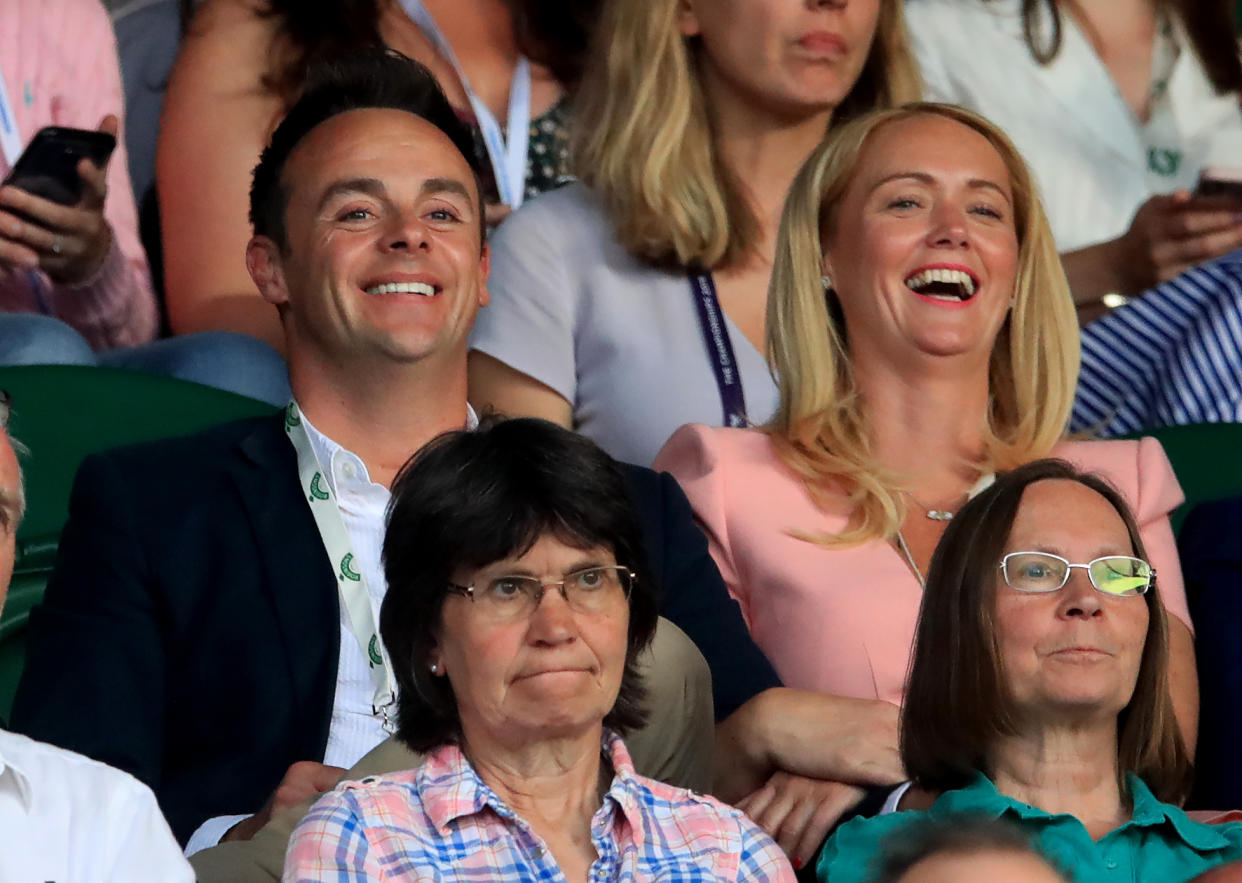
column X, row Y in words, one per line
column 67, row 818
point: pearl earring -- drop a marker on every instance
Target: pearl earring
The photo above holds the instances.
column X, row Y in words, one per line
column 435, row 668
column 826, row 281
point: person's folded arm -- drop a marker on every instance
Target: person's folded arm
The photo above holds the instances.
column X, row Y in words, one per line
column 808, row 734
column 795, row 761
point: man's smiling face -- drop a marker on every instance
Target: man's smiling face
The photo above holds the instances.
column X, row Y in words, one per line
column 383, row 258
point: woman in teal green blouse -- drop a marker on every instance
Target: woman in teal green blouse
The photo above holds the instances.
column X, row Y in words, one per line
column 1038, row 692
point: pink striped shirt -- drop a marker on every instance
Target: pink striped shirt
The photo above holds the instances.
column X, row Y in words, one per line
column 442, row 823
column 60, row 64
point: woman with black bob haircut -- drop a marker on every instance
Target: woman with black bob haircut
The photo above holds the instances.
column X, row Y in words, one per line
column 1039, row 691
column 471, row 498
column 518, row 601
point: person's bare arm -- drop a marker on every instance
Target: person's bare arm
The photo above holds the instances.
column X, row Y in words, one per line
column 1184, row 681
column 494, row 386
column 807, row 734
column 798, row 811
column 216, row 121
column 793, row 760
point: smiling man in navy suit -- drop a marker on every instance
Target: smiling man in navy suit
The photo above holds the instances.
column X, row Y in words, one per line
column 210, row 624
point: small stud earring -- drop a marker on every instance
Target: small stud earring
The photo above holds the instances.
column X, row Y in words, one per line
column 435, row 668
column 826, row 282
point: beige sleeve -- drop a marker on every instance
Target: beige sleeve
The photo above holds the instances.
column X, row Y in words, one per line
column 262, row 858
column 675, row 745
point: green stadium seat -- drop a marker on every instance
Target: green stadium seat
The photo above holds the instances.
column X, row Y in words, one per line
column 1207, row 458
column 62, row 413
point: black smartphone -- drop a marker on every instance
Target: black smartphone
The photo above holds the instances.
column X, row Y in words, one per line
column 1220, row 181
column 48, row 167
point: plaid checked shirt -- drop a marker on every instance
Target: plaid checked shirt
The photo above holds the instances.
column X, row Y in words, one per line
column 441, row 822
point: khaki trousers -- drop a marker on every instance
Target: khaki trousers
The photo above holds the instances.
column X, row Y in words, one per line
column 675, row 747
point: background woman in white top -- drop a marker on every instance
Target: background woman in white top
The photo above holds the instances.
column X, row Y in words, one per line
column 693, row 118
column 1116, row 105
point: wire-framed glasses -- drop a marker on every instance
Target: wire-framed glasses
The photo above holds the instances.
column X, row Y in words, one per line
column 1118, row 575
column 589, row 590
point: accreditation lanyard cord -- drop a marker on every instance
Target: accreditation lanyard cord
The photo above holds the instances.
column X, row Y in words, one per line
column 10, row 140
column 719, row 349
column 351, row 583
column 507, row 154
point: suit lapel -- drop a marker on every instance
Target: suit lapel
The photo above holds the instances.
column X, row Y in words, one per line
column 296, row 574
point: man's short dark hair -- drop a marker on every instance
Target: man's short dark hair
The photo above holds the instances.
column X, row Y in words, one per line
column 373, row 78
column 469, row 499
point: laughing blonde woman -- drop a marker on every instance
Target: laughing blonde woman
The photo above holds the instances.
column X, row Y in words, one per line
column 925, row 339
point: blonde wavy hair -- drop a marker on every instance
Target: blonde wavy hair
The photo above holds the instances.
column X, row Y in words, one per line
column 642, row 140
column 820, row 429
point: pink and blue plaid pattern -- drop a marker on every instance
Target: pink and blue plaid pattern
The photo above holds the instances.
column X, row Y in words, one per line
column 441, row 822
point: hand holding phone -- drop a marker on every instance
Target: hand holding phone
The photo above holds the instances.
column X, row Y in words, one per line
column 51, row 203
column 1172, row 232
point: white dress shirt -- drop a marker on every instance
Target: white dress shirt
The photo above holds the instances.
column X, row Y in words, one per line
column 65, row 818
column 354, row 730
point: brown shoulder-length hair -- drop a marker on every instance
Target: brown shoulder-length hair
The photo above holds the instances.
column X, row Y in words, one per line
column 1210, row 26
column 957, row 705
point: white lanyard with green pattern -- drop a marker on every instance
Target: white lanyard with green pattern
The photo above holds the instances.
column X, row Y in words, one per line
column 351, row 583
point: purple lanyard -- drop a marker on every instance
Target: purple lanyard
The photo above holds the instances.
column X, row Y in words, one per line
column 720, row 349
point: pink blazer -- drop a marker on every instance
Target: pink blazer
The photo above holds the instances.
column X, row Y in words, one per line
column 842, row 621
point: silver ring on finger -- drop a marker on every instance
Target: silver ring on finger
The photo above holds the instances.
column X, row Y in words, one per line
column 56, row 246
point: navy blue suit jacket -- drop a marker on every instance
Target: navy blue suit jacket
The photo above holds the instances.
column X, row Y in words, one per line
column 190, row 632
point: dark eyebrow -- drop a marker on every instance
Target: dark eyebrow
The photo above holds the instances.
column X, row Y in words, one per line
column 370, row 186
column 446, row 185
column 924, row 178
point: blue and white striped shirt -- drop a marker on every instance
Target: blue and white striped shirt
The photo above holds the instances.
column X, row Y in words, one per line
column 1170, row 357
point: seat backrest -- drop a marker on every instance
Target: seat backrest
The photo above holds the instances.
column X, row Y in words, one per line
column 1207, row 458
column 60, row 415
